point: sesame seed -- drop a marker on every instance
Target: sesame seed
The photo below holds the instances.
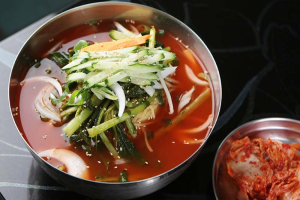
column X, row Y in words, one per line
column 146, row 163
column 87, row 166
column 99, row 161
column 116, row 167
column 173, row 142
column 158, row 161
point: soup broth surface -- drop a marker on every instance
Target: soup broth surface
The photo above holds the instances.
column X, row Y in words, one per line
column 169, row 150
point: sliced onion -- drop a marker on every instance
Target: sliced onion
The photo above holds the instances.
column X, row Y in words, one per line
column 201, row 127
column 121, row 97
column 134, row 30
column 157, row 85
column 186, row 98
column 47, row 79
column 123, row 29
column 193, row 77
column 45, row 107
column 150, row 90
column 74, row 164
column 167, row 71
column 169, row 98
column 46, row 100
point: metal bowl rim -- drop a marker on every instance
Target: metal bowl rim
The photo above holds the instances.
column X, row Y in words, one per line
column 234, row 131
column 56, row 17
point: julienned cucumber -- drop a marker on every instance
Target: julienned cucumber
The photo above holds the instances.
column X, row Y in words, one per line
column 116, row 35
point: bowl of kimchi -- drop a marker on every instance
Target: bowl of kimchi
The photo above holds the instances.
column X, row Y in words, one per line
column 259, row 160
column 114, row 100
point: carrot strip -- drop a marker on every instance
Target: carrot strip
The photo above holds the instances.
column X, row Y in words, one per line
column 118, row 44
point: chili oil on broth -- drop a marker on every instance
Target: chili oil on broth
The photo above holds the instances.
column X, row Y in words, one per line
column 169, row 150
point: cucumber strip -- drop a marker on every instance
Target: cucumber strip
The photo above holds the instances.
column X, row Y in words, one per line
column 76, row 76
column 100, row 76
column 73, row 64
column 116, row 35
column 144, row 68
column 141, row 81
column 114, row 78
column 120, row 53
column 135, row 56
column 89, row 75
column 150, row 75
column 82, row 66
column 109, row 65
column 105, row 92
column 152, row 38
column 97, row 93
column 125, row 80
column 168, row 55
column 82, row 55
column 153, row 58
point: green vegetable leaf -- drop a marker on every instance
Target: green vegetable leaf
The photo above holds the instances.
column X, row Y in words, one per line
column 63, row 96
column 81, row 44
column 123, row 177
column 59, row 58
column 84, row 95
column 126, row 147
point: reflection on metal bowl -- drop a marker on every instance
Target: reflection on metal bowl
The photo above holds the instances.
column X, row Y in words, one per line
column 280, row 129
column 115, row 10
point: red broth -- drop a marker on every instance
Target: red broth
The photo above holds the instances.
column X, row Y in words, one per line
column 169, row 150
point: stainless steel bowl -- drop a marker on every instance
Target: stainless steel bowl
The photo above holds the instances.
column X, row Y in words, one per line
column 115, row 10
column 280, row 129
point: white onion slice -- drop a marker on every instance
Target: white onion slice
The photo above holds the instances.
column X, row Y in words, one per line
column 123, row 29
column 193, row 77
column 167, row 71
column 44, row 111
column 150, row 90
column 186, row 98
column 134, row 30
column 74, row 164
column 201, row 127
column 157, row 85
column 169, row 98
column 44, row 106
column 121, row 97
column 47, row 79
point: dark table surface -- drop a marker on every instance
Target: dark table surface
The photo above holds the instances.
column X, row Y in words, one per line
column 255, row 45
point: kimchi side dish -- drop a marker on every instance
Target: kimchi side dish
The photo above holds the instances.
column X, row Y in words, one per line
column 264, row 169
column 114, row 101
